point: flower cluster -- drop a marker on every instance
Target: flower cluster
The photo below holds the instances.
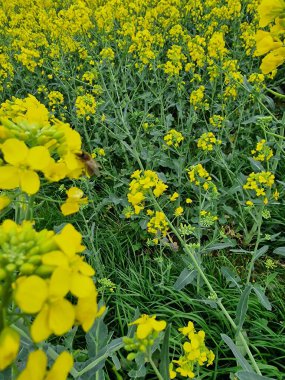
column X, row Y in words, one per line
column 40, row 271
column 262, row 152
column 195, row 353
column 207, row 219
column 271, row 43
column 148, row 329
column 216, row 121
column 173, row 138
column 140, row 186
column 207, row 141
column 199, row 176
column 33, row 144
column 85, row 106
column 259, row 183
column 158, row 224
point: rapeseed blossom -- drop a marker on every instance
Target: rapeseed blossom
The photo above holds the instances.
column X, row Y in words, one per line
column 141, row 184
column 195, row 353
column 37, row 363
column 74, row 201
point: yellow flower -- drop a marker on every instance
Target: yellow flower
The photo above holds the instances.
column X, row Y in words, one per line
column 37, row 363
column 178, row 211
column 22, row 164
column 147, row 325
column 55, row 314
column 269, row 10
column 73, row 202
column 9, row 347
column 174, row 196
column 272, row 60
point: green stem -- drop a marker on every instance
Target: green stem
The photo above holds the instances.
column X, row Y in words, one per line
column 255, row 248
column 158, row 374
column 211, row 289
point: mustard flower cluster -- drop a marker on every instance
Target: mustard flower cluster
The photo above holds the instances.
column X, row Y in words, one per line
column 216, row 121
column 262, row 152
column 197, row 98
column 39, row 272
column 140, row 186
column 207, row 219
column 260, row 183
column 272, row 14
column 173, row 138
column 158, row 224
column 195, row 353
column 85, row 106
column 199, row 176
column 107, row 54
column 33, row 145
column 148, row 329
column 207, row 141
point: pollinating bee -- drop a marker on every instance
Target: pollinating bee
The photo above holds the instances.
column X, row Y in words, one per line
column 91, row 166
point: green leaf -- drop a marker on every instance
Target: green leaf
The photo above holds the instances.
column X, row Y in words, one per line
column 231, row 277
column 239, row 357
column 164, row 354
column 262, row 297
column 186, row 277
column 219, row 246
column 279, row 251
column 256, row 165
column 260, row 252
column 242, row 306
column 244, row 375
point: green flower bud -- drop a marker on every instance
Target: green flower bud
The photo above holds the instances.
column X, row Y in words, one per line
column 27, row 268
column 3, row 274
column 11, row 267
column 36, row 260
column 131, row 356
column 44, row 270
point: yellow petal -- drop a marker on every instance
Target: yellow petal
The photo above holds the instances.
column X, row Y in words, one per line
column 29, row 182
column 31, row 293
column 61, row 367
column 38, row 158
column 69, row 240
column 9, row 347
column 14, row 151
column 56, row 258
column 40, row 329
column 35, row 368
column 144, row 330
column 59, row 282
column 74, row 192
column 81, row 286
column 85, row 268
column 87, row 311
column 61, row 316
column 9, row 177
column 69, row 207
column 158, row 325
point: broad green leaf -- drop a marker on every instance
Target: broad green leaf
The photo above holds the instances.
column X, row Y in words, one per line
column 242, row 306
column 186, row 277
column 219, row 246
column 231, row 277
column 262, row 297
column 240, row 358
column 260, row 252
column 279, row 251
column 244, row 375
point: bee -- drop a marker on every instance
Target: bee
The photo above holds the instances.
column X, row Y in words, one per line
column 91, row 166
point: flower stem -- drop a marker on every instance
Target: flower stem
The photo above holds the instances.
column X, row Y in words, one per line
column 158, row 374
column 211, row 289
